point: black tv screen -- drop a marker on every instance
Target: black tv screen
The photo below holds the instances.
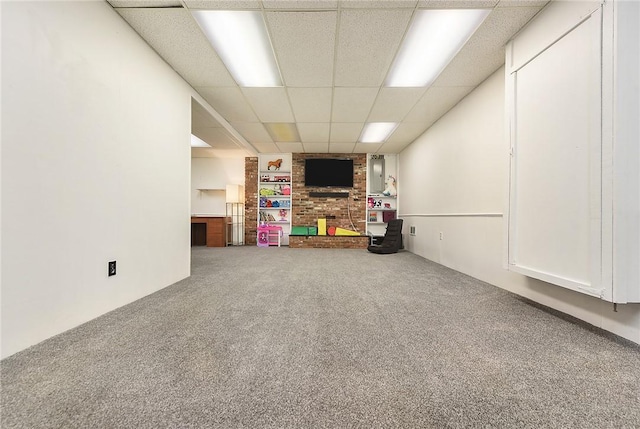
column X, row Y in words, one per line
column 336, row 172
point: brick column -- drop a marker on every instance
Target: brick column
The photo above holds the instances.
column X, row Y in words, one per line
column 250, row 200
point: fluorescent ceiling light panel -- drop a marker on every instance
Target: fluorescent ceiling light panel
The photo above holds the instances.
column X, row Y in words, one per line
column 197, row 142
column 377, row 132
column 241, row 40
column 283, row 131
column 434, row 38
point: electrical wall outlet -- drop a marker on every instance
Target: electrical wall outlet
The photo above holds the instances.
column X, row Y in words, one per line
column 441, row 235
column 412, row 230
column 112, row 268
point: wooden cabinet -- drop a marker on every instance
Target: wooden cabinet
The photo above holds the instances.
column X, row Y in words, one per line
column 216, row 229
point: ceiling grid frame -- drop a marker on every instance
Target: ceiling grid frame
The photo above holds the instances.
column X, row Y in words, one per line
column 518, row 11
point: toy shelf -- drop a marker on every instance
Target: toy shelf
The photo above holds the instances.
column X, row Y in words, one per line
column 275, row 177
column 274, row 195
column 382, row 196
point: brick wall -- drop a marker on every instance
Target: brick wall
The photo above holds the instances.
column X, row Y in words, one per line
column 344, row 242
column 250, row 200
column 306, row 209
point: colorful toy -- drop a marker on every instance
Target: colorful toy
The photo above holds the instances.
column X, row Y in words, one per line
column 341, row 232
column 282, row 178
column 391, row 187
column 374, row 203
column 267, row 192
column 283, row 215
column 276, row 164
column 263, row 237
column 265, row 178
column 269, row 235
column 322, row 226
column 286, row 190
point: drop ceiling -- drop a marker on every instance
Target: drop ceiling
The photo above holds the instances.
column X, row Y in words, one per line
column 333, row 57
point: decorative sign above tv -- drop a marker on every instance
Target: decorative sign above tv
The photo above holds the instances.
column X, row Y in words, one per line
column 323, row 172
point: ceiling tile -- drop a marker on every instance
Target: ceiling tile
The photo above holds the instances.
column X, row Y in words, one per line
column 367, row 42
column 173, row 34
column 303, row 33
column 270, row 104
column 311, row 104
column 522, row 3
column 316, row 147
column 484, row 53
column 314, row 132
column 345, row 132
column 352, row 104
column 290, row 147
column 393, row 104
column 367, row 147
column 253, row 132
column 378, row 4
column 300, row 4
column 341, row 147
column 456, row 4
column 436, row 102
column 223, row 4
column 304, row 43
column 229, row 102
column 266, row 147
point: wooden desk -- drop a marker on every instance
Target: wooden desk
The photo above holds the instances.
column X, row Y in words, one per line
column 216, row 229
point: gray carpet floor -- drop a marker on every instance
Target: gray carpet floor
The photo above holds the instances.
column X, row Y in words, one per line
column 319, row 338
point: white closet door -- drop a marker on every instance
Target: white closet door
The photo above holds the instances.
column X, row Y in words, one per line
column 555, row 189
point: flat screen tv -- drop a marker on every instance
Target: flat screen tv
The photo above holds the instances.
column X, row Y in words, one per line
column 334, row 172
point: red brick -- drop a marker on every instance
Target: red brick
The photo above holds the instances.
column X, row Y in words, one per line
column 306, row 210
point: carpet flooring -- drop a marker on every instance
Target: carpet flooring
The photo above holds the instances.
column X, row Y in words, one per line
column 325, row 338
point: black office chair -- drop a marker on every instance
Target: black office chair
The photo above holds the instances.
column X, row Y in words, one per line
column 392, row 240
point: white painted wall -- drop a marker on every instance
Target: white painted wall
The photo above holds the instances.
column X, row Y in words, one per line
column 95, row 167
column 453, row 179
column 209, row 178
